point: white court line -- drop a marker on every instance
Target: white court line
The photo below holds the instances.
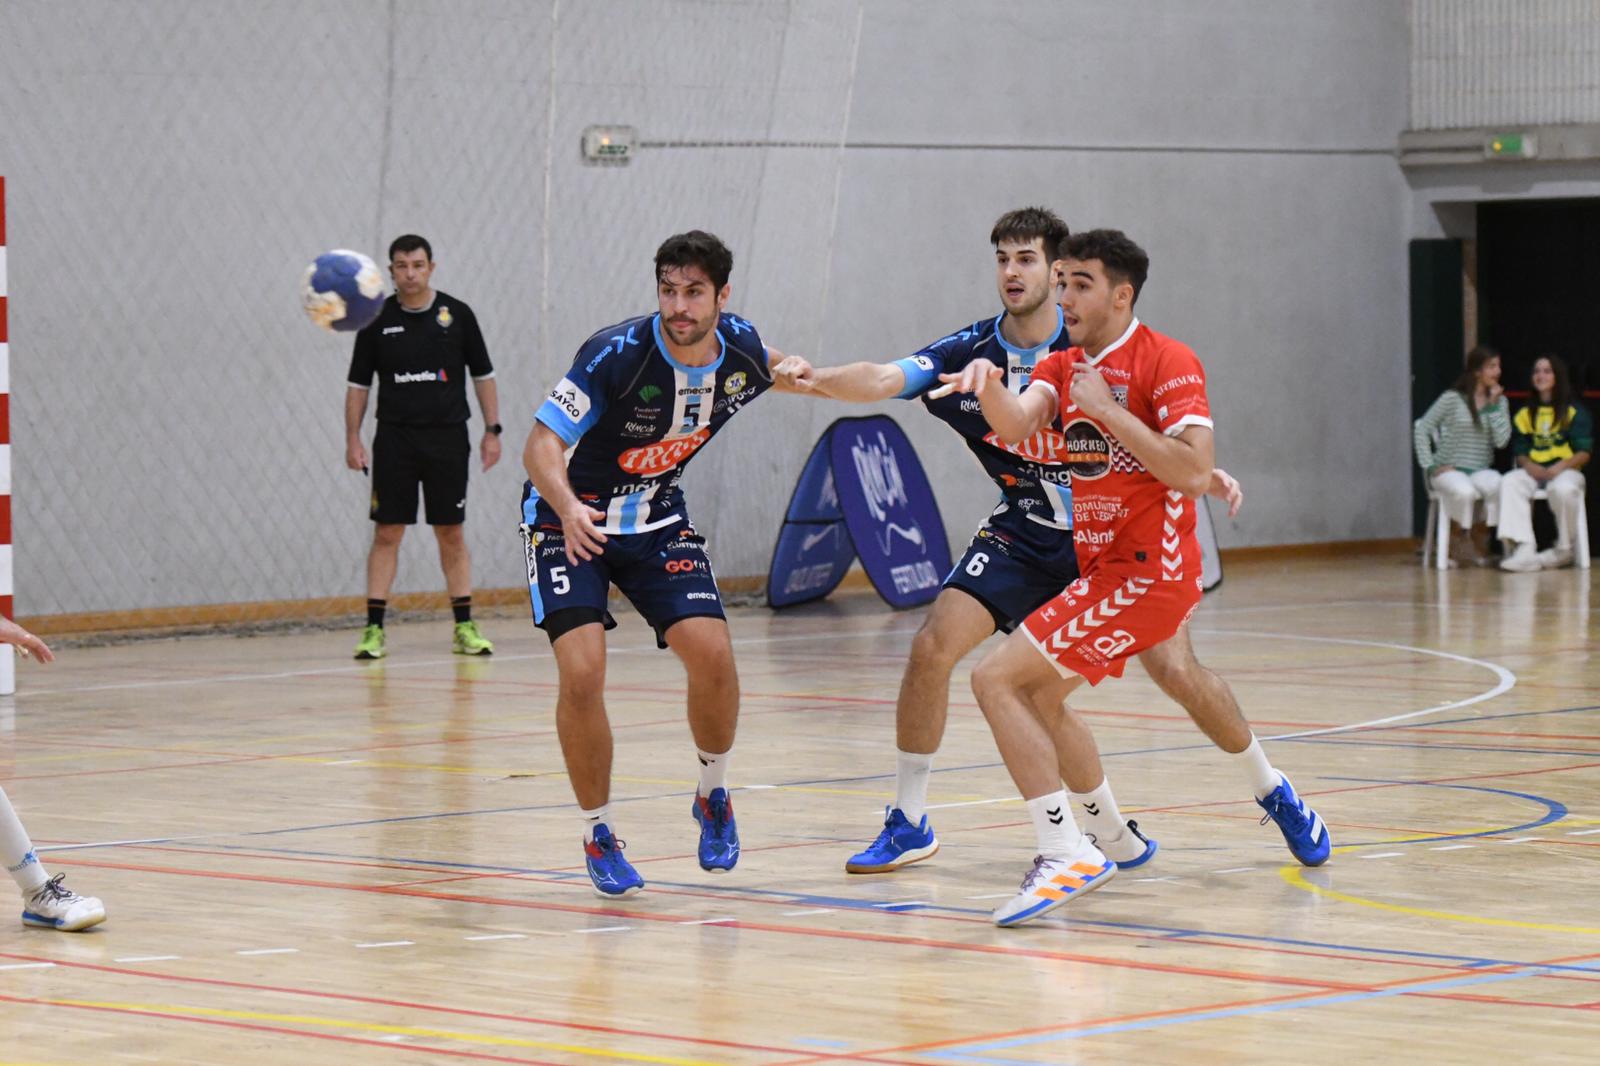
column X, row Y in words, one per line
column 1235, row 870
column 28, row 966
column 388, row 944
column 1383, row 855
column 709, row 921
column 1168, row 878
column 273, row 951
column 1506, row 679
column 752, row 788
column 973, row 803
column 1583, row 832
column 1454, row 847
column 1520, row 840
column 415, row 664
column 906, row 903
column 797, row 914
column 343, row 762
column 606, row 929
column 498, row 936
column 147, row 958
column 993, row 895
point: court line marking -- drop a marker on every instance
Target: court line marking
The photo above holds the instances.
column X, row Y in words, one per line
column 263, row 951
column 606, row 929
column 1235, row 870
column 193, row 1013
column 1505, row 679
column 147, row 958
column 28, row 966
column 1381, row 855
column 1453, row 847
column 389, row 944
column 1295, row 875
column 498, row 936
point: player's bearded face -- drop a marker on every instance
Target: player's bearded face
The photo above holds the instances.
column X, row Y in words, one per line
column 689, row 304
column 1022, row 274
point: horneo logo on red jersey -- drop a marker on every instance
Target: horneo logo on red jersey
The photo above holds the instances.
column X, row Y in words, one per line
column 658, row 458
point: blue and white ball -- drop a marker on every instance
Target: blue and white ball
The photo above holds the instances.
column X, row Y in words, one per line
column 343, row 291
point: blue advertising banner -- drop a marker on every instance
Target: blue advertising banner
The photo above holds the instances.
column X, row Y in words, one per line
column 814, row 550
column 889, row 509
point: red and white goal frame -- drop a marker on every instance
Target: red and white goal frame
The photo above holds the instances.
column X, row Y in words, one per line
column 8, row 662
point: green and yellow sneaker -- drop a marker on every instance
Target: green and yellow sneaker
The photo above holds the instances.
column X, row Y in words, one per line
column 469, row 641
column 371, row 646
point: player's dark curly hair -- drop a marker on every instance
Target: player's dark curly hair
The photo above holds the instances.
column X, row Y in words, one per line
column 1027, row 224
column 1123, row 260
column 697, row 248
column 410, row 242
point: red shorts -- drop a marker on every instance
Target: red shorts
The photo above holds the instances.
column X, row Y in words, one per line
column 1101, row 621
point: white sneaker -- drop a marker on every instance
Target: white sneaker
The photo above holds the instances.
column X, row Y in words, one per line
column 1053, row 882
column 1555, row 558
column 55, row 906
column 1521, row 561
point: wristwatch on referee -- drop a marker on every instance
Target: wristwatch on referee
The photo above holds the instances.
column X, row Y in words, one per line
column 495, row 428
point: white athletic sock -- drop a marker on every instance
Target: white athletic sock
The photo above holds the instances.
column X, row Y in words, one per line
column 1100, row 814
column 1253, row 761
column 911, row 784
column 1057, row 829
column 16, row 851
column 713, row 770
column 601, row 815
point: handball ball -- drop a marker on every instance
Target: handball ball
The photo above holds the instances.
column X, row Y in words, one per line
column 343, row 291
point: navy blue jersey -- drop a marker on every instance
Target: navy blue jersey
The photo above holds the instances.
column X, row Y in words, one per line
column 1033, row 482
column 634, row 417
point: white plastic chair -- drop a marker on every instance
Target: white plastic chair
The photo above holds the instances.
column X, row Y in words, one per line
column 1580, row 531
column 1436, row 533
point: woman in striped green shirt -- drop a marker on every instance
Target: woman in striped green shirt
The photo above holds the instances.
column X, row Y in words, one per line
column 1456, row 439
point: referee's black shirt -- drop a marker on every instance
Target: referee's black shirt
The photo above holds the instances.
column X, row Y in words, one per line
column 422, row 359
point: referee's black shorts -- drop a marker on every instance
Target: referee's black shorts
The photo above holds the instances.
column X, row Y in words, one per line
column 434, row 456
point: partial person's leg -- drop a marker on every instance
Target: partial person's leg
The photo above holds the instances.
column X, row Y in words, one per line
column 383, row 559
column 1088, row 788
column 581, row 722
column 706, row 649
column 1516, row 521
column 454, row 559
column 1566, row 496
column 1457, row 496
column 1486, row 483
column 1210, row 703
column 45, row 901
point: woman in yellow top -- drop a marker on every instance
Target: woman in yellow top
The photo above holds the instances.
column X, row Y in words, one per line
column 1553, row 437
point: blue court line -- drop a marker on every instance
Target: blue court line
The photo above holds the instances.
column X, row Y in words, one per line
column 973, row 1053
column 1555, row 810
column 1354, row 742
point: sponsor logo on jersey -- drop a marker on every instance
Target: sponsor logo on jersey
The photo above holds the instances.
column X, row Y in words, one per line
column 1046, row 446
column 922, row 362
column 651, row 460
column 421, row 375
column 573, row 401
column 731, row 404
column 1088, row 451
column 444, row 318
column 648, row 393
column 393, row 329
column 686, row 566
column 734, row 383
column 1175, row 383
column 700, row 595
column 970, row 405
column 632, row 487
column 638, row 429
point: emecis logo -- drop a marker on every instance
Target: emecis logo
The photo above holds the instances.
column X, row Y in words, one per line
column 658, row 458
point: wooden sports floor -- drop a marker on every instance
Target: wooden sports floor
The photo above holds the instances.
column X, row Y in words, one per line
column 307, row 860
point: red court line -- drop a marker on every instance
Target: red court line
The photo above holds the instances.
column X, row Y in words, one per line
column 782, row 930
column 433, row 1008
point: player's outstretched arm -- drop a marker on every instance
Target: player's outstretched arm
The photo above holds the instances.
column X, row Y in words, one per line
column 1013, row 418
column 1184, row 462
column 858, row 382
column 1225, row 487
column 27, row 643
column 545, row 457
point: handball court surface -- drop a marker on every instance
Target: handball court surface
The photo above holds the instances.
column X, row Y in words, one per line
column 311, row 860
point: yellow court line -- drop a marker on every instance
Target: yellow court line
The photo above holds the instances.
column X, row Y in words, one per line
column 1295, row 875
column 376, row 1027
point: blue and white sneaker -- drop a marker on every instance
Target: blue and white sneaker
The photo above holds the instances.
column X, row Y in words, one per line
column 613, row 876
column 719, row 834
column 1133, row 844
column 1302, row 829
column 55, row 906
column 900, row 844
column 1053, row 882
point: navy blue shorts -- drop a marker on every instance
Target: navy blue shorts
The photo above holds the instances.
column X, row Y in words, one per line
column 665, row 573
column 1012, row 567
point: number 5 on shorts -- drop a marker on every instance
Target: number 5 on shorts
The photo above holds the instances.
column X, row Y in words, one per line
column 558, row 580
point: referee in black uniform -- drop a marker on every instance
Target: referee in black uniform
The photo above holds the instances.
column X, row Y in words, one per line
column 422, row 346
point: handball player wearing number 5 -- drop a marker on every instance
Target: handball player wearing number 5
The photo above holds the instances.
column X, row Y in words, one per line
column 602, row 507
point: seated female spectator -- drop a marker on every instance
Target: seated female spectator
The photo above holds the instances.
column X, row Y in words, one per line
column 1554, row 437
column 1455, row 442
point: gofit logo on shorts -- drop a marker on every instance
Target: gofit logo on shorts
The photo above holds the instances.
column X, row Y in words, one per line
column 1088, row 452
column 658, row 458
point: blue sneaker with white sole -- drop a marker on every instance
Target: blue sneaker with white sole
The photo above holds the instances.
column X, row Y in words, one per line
column 1303, row 830
column 613, row 876
column 719, row 834
column 899, row 844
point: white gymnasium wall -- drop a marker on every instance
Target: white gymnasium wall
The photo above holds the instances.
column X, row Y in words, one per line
column 171, row 166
